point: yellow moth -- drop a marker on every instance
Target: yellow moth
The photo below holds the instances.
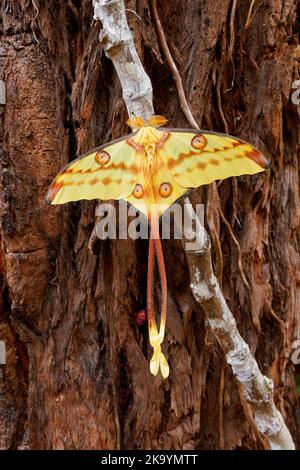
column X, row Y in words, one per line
column 152, row 168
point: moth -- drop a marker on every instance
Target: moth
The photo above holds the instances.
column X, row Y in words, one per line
column 151, row 169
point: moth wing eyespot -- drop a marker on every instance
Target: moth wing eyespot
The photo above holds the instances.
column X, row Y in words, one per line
column 199, row 142
column 102, row 158
column 138, row 191
column 165, row 189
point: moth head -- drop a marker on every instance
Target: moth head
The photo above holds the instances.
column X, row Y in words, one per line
column 157, row 121
column 136, row 122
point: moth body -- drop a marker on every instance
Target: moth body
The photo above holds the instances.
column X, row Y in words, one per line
column 147, row 138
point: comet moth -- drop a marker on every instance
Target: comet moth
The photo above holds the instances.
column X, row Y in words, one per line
column 152, row 168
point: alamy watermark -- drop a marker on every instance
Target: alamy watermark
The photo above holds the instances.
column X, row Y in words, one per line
column 295, row 356
column 124, row 221
column 2, row 352
column 296, row 93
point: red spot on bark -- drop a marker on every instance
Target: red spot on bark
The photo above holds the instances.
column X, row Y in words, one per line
column 140, row 317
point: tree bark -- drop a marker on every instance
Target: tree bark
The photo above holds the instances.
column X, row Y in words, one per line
column 77, row 364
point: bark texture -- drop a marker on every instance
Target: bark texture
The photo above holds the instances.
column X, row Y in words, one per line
column 77, row 364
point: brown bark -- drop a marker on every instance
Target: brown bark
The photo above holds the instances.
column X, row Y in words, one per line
column 77, row 365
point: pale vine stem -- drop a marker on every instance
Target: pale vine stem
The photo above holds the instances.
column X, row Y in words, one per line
column 249, row 18
column 178, row 82
column 119, row 46
column 232, row 39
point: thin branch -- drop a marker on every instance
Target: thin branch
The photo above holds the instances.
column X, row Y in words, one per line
column 232, row 35
column 119, row 47
column 249, row 18
column 178, row 82
column 258, row 389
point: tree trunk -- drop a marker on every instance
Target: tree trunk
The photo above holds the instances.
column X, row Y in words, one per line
column 77, row 372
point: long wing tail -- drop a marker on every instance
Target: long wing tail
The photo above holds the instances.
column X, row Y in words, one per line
column 158, row 360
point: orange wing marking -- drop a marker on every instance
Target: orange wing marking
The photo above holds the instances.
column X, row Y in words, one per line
column 163, row 140
column 137, row 147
